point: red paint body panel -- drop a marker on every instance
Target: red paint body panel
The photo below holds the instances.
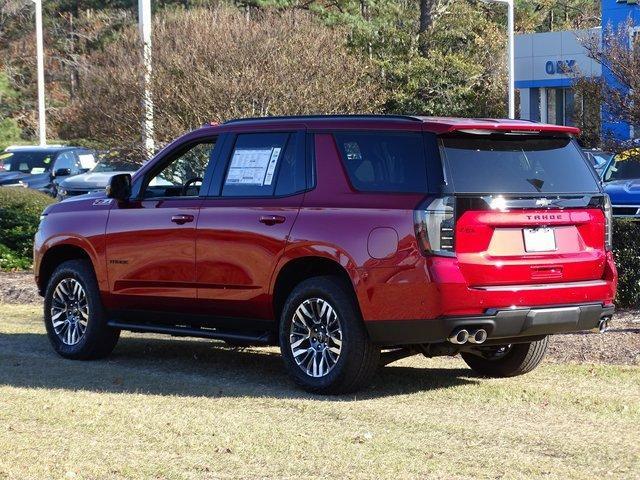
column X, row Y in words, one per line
column 236, row 254
column 226, row 261
column 150, row 259
column 490, row 247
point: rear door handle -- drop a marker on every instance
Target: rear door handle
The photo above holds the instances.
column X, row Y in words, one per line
column 182, row 219
column 272, row 219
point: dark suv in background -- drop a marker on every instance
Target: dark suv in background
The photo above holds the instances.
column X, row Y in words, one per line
column 349, row 241
column 43, row 167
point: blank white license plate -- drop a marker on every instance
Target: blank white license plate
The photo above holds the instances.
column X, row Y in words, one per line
column 539, row 239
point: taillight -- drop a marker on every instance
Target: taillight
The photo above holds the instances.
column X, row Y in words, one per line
column 608, row 223
column 435, row 227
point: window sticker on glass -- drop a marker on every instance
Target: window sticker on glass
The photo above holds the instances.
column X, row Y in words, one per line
column 253, row 166
column 87, row 160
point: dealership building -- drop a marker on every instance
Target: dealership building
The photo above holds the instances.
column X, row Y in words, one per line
column 546, row 65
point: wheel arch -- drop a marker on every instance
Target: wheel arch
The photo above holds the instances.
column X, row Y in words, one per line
column 57, row 254
column 301, row 268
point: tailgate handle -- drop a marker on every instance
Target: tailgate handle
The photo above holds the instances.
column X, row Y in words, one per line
column 547, row 271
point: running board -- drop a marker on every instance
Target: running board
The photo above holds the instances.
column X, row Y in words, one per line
column 262, row 338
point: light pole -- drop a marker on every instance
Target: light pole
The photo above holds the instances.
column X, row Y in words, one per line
column 512, row 67
column 144, row 22
column 511, row 54
column 42, row 127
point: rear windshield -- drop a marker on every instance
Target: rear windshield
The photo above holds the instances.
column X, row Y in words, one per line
column 502, row 163
column 384, row 161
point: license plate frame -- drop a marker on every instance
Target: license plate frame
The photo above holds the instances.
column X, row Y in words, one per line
column 541, row 239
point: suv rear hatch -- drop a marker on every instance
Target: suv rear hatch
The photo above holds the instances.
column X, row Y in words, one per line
column 519, row 208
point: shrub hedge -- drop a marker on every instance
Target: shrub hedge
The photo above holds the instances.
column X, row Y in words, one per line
column 626, row 249
column 20, row 210
column 10, row 261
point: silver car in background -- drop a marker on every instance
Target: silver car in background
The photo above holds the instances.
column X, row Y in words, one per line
column 95, row 179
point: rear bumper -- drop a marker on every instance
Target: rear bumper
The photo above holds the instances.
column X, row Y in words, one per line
column 504, row 324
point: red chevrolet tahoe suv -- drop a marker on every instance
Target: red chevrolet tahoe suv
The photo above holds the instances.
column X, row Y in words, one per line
column 350, row 241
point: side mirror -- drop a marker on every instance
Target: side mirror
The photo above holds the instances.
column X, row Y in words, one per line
column 119, row 187
column 62, row 172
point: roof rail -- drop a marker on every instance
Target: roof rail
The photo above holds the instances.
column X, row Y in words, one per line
column 14, row 148
column 319, row 117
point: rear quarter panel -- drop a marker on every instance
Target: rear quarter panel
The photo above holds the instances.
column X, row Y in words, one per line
column 352, row 228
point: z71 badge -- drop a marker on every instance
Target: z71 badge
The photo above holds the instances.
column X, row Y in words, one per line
column 102, row 201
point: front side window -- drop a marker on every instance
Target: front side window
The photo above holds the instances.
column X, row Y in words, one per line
column 182, row 176
column 66, row 160
column 256, row 162
column 384, row 161
column 515, row 163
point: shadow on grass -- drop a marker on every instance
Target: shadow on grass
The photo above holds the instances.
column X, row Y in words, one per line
column 155, row 366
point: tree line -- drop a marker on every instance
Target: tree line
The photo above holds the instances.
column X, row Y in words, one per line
column 220, row 59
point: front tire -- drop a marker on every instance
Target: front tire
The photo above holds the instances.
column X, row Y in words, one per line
column 506, row 360
column 324, row 344
column 73, row 314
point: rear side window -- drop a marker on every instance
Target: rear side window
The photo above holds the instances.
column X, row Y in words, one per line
column 255, row 162
column 503, row 163
column 384, row 161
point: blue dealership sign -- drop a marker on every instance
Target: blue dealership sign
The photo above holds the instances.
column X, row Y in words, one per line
column 559, row 67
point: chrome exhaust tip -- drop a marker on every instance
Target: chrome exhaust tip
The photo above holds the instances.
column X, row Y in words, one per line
column 459, row 337
column 603, row 325
column 478, row 336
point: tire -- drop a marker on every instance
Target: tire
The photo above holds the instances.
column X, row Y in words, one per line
column 357, row 359
column 521, row 358
column 78, row 307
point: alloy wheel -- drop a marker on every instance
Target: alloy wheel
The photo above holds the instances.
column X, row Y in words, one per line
column 69, row 311
column 315, row 337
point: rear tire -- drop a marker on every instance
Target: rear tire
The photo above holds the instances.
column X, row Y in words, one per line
column 74, row 317
column 520, row 358
column 331, row 333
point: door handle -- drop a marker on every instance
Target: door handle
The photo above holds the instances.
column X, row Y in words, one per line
column 182, row 219
column 272, row 219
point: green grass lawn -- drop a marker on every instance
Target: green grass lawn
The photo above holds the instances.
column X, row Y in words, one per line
column 163, row 408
